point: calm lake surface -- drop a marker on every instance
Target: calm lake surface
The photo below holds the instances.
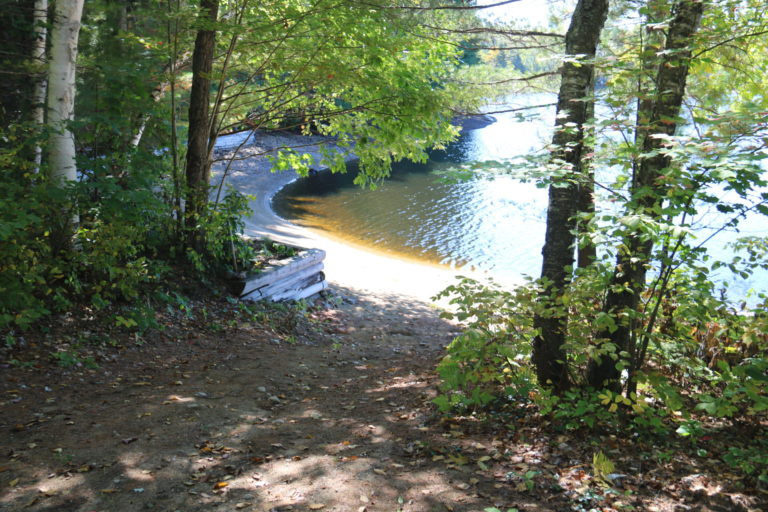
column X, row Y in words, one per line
column 493, row 225
column 490, row 225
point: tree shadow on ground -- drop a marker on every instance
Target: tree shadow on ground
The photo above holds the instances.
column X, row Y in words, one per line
column 244, row 419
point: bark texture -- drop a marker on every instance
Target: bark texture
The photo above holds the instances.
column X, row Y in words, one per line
column 558, row 252
column 61, row 90
column 587, row 251
column 648, row 190
column 198, row 165
column 41, row 83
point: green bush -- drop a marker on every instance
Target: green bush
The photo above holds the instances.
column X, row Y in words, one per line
column 703, row 359
column 112, row 254
column 222, row 223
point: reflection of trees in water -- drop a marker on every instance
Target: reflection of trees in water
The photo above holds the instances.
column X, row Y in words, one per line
column 491, row 225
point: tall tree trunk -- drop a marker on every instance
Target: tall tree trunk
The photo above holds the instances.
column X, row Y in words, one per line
column 647, row 193
column 61, row 89
column 41, row 82
column 197, row 173
column 576, row 79
column 587, row 251
column 61, row 102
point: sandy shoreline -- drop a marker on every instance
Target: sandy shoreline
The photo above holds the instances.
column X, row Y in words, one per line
column 348, row 267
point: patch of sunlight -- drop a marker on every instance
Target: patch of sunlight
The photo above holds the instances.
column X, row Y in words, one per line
column 398, row 384
column 60, row 484
column 142, row 475
column 312, row 414
column 180, row 399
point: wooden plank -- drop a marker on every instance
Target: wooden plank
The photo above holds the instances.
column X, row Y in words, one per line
column 297, row 286
column 301, row 294
column 289, row 281
column 274, row 274
column 308, row 292
column 288, row 292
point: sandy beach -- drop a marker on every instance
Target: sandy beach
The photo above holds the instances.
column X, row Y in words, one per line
column 348, row 267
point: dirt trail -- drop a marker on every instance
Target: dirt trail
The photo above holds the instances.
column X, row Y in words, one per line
column 229, row 413
column 241, row 420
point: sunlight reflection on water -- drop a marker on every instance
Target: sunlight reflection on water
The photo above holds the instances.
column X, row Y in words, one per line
column 494, row 225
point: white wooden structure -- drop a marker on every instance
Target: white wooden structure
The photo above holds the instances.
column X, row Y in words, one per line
column 294, row 278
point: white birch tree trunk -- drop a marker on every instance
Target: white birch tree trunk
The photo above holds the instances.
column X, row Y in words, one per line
column 61, row 90
column 38, row 57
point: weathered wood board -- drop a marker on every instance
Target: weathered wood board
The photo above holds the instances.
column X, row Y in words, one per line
column 294, row 278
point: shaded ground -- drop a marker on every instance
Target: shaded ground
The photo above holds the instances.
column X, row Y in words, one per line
column 227, row 410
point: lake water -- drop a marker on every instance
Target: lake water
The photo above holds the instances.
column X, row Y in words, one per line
column 492, row 225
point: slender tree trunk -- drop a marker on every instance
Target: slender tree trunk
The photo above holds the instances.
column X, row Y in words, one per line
column 173, row 45
column 587, row 251
column 558, row 252
column 174, row 66
column 199, row 123
column 41, row 82
column 61, row 105
column 647, row 191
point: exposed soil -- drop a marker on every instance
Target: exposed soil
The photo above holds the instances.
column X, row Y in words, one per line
column 224, row 411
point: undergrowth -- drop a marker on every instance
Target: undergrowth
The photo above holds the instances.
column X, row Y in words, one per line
column 706, row 365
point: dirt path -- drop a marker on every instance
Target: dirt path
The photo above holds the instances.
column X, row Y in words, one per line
column 239, row 417
column 271, row 414
column 240, row 420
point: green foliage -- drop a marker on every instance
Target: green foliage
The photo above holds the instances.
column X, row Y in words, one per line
column 685, row 357
column 751, row 459
column 71, row 359
column 742, row 389
column 24, row 249
column 115, row 245
column 602, row 467
column 222, row 224
column 376, row 79
column 704, row 360
column 138, row 317
column 681, row 351
column 492, row 354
